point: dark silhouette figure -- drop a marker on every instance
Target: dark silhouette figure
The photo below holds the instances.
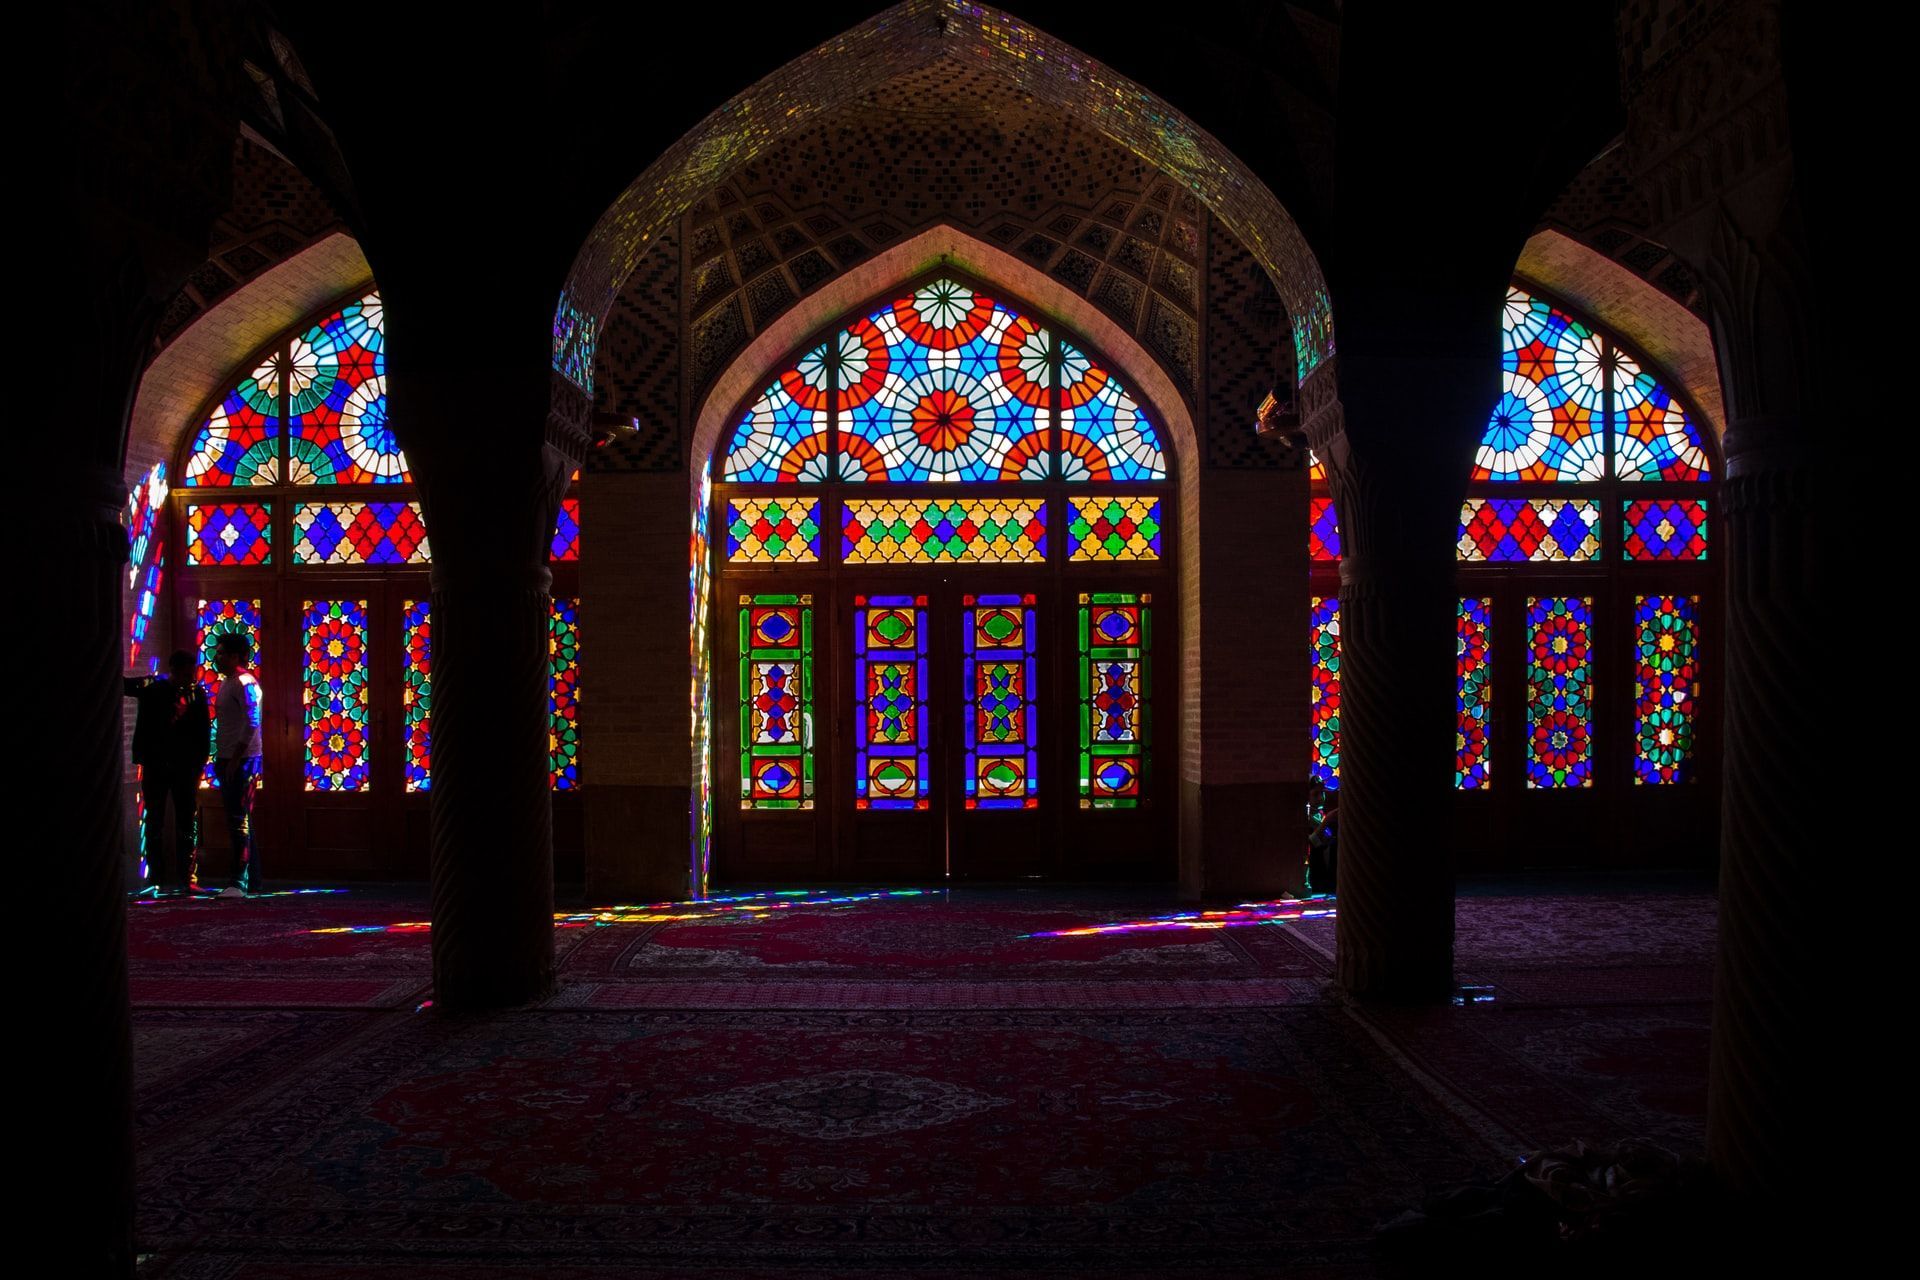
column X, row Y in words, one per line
column 237, row 756
column 170, row 741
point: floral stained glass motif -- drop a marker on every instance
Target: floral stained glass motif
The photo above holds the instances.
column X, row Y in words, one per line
column 1546, row 424
column 961, row 530
column 566, row 531
column 333, row 636
column 337, row 401
column 1116, row 698
column 999, row 671
column 944, row 384
column 1323, row 530
column 213, row 619
column 1473, row 694
column 1665, row 530
column 784, row 434
column 1104, row 433
column 776, row 702
column 1653, row 438
column 359, row 533
column 1529, row 529
column 239, row 443
column 890, row 709
column 1323, row 711
column 782, row 530
column 1666, row 673
column 1113, row 528
column 230, row 533
column 146, row 555
column 563, row 693
column 1559, row 692
column 416, row 691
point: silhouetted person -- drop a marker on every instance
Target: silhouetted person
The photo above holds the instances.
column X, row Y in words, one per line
column 170, row 740
column 236, row 751
column 1323, row 837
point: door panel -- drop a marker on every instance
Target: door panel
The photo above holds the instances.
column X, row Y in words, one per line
column 1003, row 796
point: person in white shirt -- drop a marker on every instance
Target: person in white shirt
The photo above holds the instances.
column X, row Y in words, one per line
column 236, row 756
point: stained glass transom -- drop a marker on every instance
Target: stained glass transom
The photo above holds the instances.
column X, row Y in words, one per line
column 1666, row 656
column 1524, row 529
column 566, row 531
column 239, row 443
column 337, row 401
column 1653, row 437
column 1664, row 529
column 1546, row 424
column 961, row 530
column 776, row 702
column 782, row 530
column 890, row 708
column 1000, row 672
column 1559, row 691
column 333, row 637
column 1323, row 530
column 1104, row 433
column 1116, row 698
column 1113, row 528
column 784, row 434
column 1473, row 694
column 359, row 533
column 229, row 533
column 563, row 693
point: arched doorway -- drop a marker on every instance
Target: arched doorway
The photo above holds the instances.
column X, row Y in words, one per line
column 944, row 600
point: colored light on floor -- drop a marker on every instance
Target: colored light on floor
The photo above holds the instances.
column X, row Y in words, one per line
column 1278, row 911
column 744, row 906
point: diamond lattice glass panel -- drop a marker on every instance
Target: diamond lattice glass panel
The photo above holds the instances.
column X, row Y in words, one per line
column 563, row 693
column 1666, row 682
column 1523, row 529
column 1546, row 424
column 230, row 533
column 1473, row 694
column 925, row 530
column 337, row 401
column 890, row 703
column 1000, row 671
column 1104, row 433
column 782, row 530
column 1559, row 691
column 359, row 533
column 213, row 619
column 944, row 384
column 1661, row 529
column 1116, row 698
column 1113, row 528
column 333, row 638
column 416, row 691
column 1323, row 530
column 1653, row 438
column 239, row 443
column 1323, row 710
column 784, row 433
column 776, row 702
column 566, row 531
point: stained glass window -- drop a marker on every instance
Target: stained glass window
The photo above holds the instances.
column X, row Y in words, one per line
column 784, row 433
column 229, row 533
column 416, row 691
column 1559, row 691
column 946, row 385
column 214, row 618
column 1104, row 433
column 1546, row 424
column 1665, row 683
column 1113, row 528
column 700, row 696
column 776, row 702
column 1665, row 530
column 566, row 530
column 1116, row 698
column 146, row 555
column 359, row 533
column 773, row 530
column 962, row 530
column 1473, row 694
column 1521, row 529
column 1323, row 530
column 337, row 401
column 1323, row 711
column 1653, row 438
column 333, row 635
column 890, row 707
column 563, row 693
column 239, row 443
column 999, row 671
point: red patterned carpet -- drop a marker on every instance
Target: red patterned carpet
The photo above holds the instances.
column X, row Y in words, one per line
column 890, row 1086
